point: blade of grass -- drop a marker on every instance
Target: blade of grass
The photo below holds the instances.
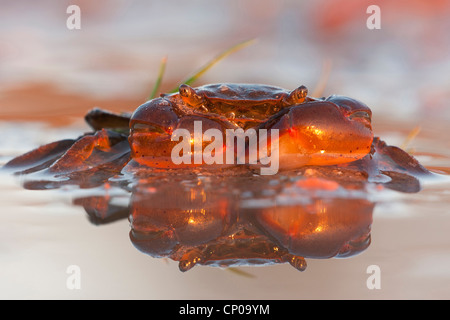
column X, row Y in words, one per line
column 215, row 60
column 240, row 272
column 162, row 68
column 410, row 137
column 323, row 80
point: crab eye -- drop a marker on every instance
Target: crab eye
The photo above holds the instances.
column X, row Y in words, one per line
column 301, row 92
column 190, row 96
column 298, row 95
column 185, row 90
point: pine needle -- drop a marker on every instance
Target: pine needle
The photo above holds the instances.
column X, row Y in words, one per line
column 162, row 68
column 240, row 272
column 323, row 80
column 410, row 137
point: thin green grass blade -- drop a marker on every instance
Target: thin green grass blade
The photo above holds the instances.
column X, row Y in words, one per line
column 215, row 60
column 162, row 69
column 240, row 272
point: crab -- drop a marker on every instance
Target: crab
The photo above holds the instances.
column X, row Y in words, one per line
column 311, row 131
column 322, row 132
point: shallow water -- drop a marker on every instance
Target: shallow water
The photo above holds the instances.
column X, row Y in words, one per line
column 43, row 234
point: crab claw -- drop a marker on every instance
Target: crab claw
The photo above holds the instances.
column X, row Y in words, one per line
column 353, row 109
column 323, row 132
column 155, row 129
column 151, row 126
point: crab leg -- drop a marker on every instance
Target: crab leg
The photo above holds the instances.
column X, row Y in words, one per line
column 41, row 157
column 100, row 119
column 80, row 151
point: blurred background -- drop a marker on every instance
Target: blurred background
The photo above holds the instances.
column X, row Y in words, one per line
column 50, row 76
column 51, row 73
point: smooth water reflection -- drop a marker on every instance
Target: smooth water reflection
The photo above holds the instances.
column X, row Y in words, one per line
column 259, row 222
column 229, row 217
column 240, row 221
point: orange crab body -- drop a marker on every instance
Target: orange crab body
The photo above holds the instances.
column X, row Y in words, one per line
column 309, row 131
column 289, row 127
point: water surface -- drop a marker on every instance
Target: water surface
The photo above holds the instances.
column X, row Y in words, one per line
column 43, row 233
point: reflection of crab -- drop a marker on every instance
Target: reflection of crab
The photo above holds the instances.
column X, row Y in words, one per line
column 197, row 222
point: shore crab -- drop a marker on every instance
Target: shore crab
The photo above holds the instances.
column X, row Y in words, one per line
column 196, row 213
column 312, row 132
